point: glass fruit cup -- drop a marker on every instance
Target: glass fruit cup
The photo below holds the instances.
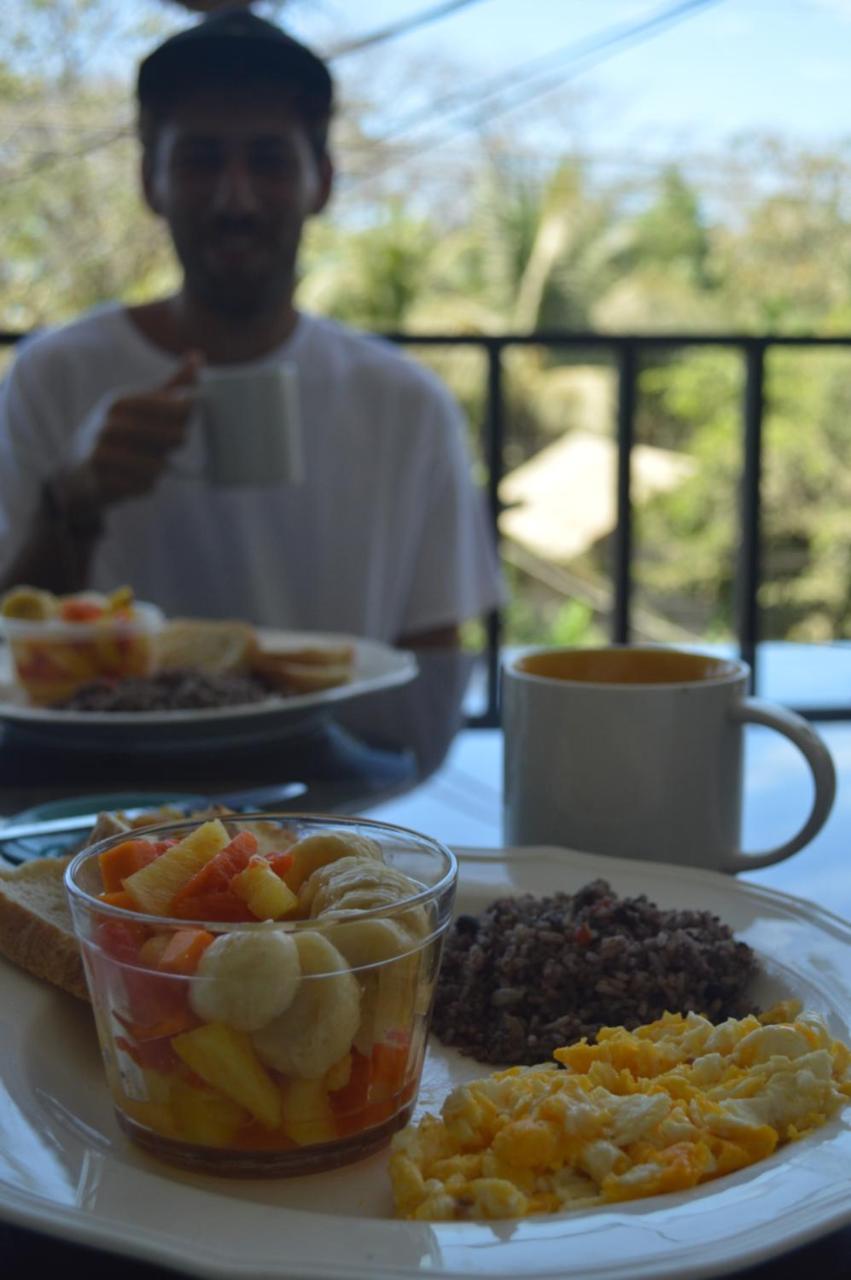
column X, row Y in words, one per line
column 53, row 658
column 276, row 1047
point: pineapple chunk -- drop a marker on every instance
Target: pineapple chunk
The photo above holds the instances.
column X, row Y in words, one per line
column 264, row 892
column 204, row 1116
column 156, row 1116
column 154, row 886
column 226, row 1060
column 317, row 851
column 151, row 950
column 154, row 1110
column 158, row 1085
column 308, row 1117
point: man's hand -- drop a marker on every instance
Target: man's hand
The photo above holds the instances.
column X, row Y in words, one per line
column 138, row 434
column 130, row 454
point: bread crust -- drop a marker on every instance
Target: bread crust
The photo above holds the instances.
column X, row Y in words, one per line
column 305, row 670
column 36, row 931
column 218, row 646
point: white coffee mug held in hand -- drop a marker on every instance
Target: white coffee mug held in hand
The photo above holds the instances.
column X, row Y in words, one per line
column 637, row 753
column 251, row 425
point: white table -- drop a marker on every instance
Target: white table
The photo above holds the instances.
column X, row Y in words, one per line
column 461, row 804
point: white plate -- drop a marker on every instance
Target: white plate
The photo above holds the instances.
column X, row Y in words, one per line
column 66, row 1170
column 376, row 666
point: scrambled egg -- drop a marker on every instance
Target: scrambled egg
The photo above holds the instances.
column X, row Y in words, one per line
column 661, row 1108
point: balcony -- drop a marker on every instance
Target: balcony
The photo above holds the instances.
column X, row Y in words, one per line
column 780, row 669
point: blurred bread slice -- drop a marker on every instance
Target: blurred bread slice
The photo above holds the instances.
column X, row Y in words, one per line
column 117, row 823
column 305, row 670
column 217, row 647
column 36, row 931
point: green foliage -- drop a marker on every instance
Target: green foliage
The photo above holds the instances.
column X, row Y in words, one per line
column 537, row 617
column 375, row 277
column 672, row 232
column 687, row 538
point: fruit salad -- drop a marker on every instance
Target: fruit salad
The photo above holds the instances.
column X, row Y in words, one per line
column 262, row 1000
column 60, row 643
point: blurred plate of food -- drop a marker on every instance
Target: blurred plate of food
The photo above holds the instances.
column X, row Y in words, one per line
column 108, row 671
column 638, row 920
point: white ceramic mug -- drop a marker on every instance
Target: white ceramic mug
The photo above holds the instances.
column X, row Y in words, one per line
column 637, row 753
column 251, row 424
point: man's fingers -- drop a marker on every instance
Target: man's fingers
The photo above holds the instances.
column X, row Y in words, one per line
column 174, row 398
column 187, row 372
column 141, row 430
column 154, row 433
column 175, row 405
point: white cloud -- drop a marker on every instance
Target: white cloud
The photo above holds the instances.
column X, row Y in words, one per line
column 835, row 8
column 823, row 71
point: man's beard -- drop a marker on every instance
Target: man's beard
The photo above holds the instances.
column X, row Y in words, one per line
column 252, row 289
column 245, row 297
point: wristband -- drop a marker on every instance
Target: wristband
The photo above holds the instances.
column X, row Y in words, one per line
column 82, row 520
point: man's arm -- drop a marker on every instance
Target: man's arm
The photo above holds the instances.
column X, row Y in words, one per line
column 129, row 456
column 57, row 554
column 436, row 638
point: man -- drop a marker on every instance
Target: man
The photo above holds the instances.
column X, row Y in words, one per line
column 386, row 537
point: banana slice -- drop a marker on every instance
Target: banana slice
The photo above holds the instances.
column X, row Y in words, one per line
column 354, row 885
column 29, row 603
column 318, row 1027
column 368, row 942
column 361, row 877
column 389, row 1000
column 317, row 851
column 246, row 979
column 320, row 880
column 326, row 887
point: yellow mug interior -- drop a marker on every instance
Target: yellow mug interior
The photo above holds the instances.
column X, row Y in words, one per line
column 626, row 665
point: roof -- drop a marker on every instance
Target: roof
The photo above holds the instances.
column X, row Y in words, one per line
column 564, row 499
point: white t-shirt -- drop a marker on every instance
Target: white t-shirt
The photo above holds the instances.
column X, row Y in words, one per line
column 386, row 536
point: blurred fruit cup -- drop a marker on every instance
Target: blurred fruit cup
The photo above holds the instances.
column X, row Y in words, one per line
column 55, row 657
column 250, row 1047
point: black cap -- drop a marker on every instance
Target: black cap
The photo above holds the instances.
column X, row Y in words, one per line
column 233, row 44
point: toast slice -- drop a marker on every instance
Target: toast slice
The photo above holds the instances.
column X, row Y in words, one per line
column 217, row 647
column 36, row 931
column 305, row 670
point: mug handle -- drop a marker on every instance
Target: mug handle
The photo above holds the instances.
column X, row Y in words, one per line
column 817, row 756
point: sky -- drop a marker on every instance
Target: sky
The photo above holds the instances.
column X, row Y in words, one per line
column 726, row 68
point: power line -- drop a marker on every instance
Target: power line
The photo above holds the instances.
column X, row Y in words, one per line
column 393, row 29
column 575, row 52
column 715, row 165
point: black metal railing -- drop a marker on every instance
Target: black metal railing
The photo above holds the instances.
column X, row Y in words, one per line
column 626, row 350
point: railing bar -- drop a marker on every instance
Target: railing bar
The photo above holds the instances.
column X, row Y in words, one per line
column 493, row 428
column 748, row 576
column 559, row 338
column 622, row 568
